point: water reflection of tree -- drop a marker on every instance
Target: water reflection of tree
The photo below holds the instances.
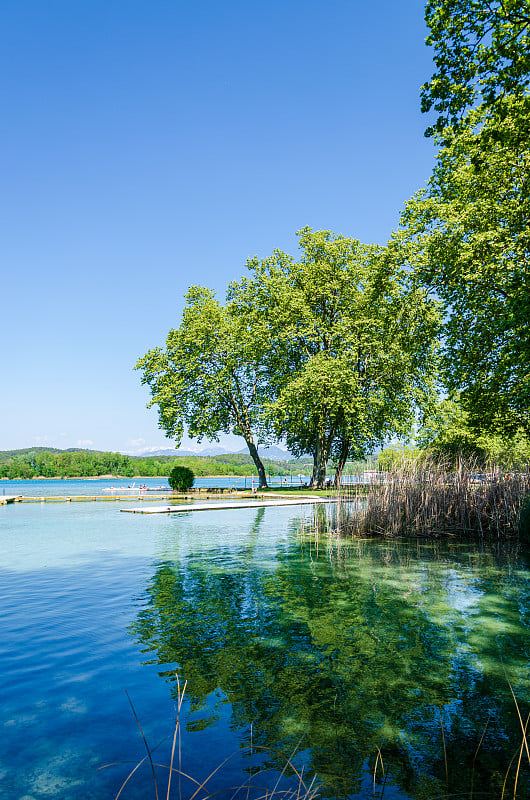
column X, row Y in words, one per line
column 349, row 660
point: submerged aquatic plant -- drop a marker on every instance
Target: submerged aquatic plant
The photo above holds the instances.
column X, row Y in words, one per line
column 190, row 788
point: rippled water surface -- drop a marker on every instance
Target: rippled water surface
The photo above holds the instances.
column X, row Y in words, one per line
column 335, row 652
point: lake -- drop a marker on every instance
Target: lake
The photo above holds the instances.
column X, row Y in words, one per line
column 327, row 652
column 60, row 487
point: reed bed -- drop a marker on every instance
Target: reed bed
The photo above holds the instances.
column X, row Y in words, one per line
column 425, row 498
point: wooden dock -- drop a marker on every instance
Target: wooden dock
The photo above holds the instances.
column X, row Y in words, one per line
column 90, row 498
column 80, row 498
column 225, row 505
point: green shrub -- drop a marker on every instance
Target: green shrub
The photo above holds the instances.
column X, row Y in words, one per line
column 180, row 478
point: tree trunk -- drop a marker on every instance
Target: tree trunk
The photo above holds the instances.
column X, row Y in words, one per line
column 253, row 450
column 344, row 449
column 320, row 462
column 243, row 424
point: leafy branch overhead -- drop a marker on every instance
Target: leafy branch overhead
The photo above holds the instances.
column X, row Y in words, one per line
column 467, row 236
column 482, row 54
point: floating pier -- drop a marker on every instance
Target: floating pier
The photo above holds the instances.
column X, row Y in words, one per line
column 106, row 498
column 180, row 509
column 237, row 502
column 79, row 498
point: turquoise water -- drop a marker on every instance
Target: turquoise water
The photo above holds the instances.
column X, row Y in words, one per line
column 291, row 644
column 73, row 487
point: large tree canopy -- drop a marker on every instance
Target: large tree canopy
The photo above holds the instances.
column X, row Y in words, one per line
column 208, row 377
column 468, row 236
column 482, row 54
column 350, row 348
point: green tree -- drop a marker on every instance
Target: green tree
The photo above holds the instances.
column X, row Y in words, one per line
column 468, row 234
column 482, row 54
column 468, row 237
column 351, row 348
column 209, row 376
column 394, row 457
column 448, row 433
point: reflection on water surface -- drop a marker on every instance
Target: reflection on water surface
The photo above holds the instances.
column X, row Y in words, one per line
column 352, row 648
column 286, row 642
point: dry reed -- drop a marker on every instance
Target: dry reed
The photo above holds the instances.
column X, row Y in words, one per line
column 431, row 499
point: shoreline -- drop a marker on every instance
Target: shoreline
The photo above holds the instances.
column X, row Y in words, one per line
column 127, row 478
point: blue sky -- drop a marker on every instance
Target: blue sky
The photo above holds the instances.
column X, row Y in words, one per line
column 147, row 146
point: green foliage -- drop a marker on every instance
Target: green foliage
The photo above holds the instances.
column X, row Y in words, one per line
column 447, row 432
column 333, row 353
column 180, row 478
column 52, row 463
column 393, row 457
column 482, row 53
column 31, row 452
column 468, row 238
column 468, row 235
column 351, row 348
column 208, row 377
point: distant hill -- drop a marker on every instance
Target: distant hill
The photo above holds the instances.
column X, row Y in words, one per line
column 51, row 462
column 80, row 462
column 268, row 453
column 5, row 455
column 273, row 453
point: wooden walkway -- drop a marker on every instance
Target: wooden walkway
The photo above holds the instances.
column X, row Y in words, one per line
column 82, row 498
column 101, row 498
column 9, row 498
column 238, row 501
column 180, row 509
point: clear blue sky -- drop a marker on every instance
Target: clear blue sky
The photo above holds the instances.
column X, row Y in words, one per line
column 147, row 146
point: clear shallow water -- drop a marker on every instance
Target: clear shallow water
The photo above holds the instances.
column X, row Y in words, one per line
column 337, row 650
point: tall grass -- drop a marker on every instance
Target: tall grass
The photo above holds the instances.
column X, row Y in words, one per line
column 428, row 498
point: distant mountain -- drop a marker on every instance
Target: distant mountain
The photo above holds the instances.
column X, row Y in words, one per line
column 170, row 451
column 215, row 450
column 272, row 452
column 207, row 451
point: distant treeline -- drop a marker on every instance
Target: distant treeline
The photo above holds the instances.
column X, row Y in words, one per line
column 52, row 463
column 77, row 463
